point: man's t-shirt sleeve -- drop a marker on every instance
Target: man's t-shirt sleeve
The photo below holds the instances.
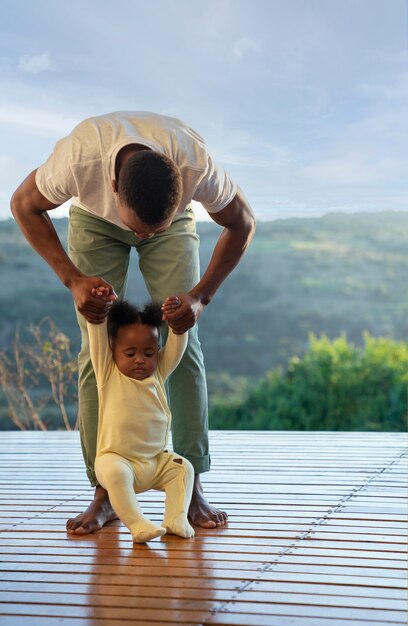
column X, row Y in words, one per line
column 170, row 356
column 55, row 178
column 101, row 353
column 216, row 189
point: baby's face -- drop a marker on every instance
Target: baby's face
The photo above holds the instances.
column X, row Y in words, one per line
column 135, row 350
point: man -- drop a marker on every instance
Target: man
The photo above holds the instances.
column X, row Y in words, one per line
column 132, row 177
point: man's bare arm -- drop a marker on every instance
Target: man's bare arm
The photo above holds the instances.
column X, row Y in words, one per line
column 239, row 228
column 30, row 210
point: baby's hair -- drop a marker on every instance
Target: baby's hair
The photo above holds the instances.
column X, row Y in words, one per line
column 123, row 313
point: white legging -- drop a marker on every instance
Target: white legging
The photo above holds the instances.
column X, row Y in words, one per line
column 123, row 479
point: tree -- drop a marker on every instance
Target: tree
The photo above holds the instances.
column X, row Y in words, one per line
column 37, row 378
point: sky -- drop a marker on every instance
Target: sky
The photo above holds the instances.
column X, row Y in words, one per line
column 304, row 102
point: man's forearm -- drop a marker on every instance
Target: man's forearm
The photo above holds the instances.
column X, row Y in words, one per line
column 227, row 253
column 42, row 236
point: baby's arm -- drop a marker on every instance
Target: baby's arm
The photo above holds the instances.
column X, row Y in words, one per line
column 171, row 354
column 101, row 353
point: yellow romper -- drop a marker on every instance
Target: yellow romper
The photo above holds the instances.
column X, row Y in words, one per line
column 133, row 425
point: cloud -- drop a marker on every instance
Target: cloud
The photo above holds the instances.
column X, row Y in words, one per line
column 36, row 63
column 36, row 118
column 240, row 148
column 396, row 89
column 353, row 169
column 245, row 44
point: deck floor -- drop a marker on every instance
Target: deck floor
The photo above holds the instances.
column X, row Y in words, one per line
column 316, row 537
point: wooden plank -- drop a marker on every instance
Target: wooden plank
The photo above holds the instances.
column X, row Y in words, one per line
column 25, row 554
column 214, row 620
column 168, row 590
column 30, row 620
column 174, row 616
column 198, row 593
column 290, row 575
column 280, row 517
column 169, row 549
column 228, row 619
column 159, row 608
column 125, row 584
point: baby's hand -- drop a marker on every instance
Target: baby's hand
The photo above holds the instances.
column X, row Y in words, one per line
column 170, row 306
column 101, row 292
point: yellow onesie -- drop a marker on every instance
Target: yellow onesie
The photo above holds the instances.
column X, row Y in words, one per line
column 133, row 425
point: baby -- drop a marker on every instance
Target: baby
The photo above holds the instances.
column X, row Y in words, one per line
column 134, row 417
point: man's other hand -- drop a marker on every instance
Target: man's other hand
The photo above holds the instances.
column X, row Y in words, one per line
column 181, row 312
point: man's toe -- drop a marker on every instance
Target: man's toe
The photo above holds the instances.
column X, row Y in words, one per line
column 86, row 528
column 209, row 523
column 203, row 521
column 72, row 528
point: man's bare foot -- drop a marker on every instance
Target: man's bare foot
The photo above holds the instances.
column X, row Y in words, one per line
column 201, row 513
column 98, row 513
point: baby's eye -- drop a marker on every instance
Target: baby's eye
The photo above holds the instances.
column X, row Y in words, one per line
column 129, row 354
column 149, row 354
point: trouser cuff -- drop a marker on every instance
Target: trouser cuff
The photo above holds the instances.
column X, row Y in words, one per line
column 201, row 464
column 92, row 477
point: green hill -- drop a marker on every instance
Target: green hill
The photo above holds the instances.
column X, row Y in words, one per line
column 335, row 274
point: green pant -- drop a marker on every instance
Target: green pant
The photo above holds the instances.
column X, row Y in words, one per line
column 169, row 263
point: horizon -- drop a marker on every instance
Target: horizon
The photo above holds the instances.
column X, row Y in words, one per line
column 263, row 220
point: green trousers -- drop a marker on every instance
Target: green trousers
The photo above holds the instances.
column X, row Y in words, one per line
column 169, row 263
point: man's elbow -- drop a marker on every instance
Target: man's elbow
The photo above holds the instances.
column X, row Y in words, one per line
column 249, row 225
column 252, row 224
column 246, row 215
column 15, row 204
column 27, row 199
column 22, row 208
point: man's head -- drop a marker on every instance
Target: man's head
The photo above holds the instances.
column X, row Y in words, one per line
column 134, row 338
column 148, row 192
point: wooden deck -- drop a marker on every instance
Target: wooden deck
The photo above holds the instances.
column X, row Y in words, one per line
column 317, row 537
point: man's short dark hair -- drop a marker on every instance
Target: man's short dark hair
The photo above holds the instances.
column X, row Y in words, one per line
column 150, row 184
column 123, row 313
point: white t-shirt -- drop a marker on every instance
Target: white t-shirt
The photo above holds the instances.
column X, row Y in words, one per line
column 82, row 165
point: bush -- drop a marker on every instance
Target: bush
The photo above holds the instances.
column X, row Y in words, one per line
column 335, row 386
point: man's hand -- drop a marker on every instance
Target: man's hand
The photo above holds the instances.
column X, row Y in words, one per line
column 182, row 312
column 93, row 307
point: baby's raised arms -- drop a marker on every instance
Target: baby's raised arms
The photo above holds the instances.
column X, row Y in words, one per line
column 169, row 306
